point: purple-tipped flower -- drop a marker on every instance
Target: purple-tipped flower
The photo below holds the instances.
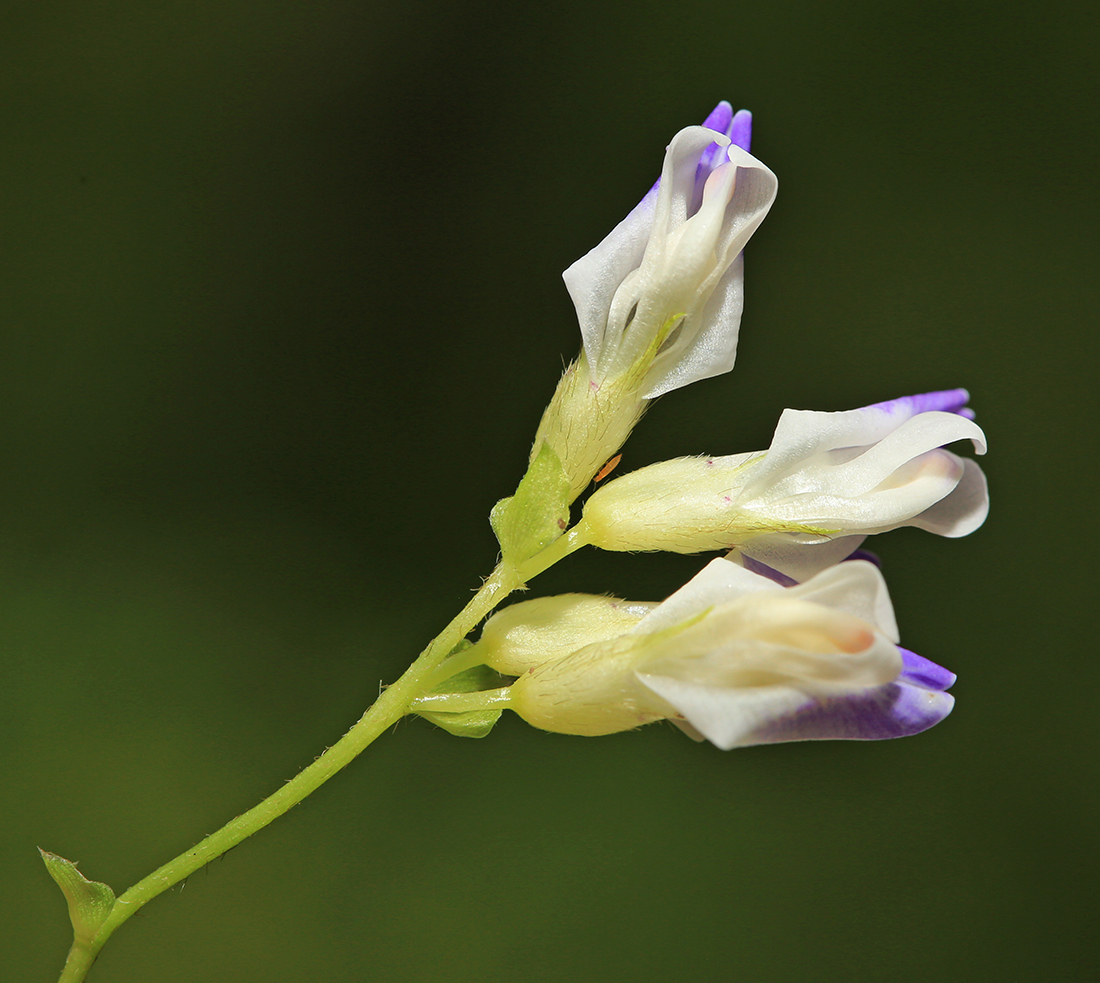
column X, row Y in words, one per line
column 659, row 300
column 736, row 126
column 827, row 481
column 661, row 296
column 739, row 660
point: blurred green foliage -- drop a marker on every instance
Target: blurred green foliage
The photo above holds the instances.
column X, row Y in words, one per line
column 280, row 311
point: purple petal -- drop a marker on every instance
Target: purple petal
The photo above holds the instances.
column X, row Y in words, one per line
column 894, row 710
column 755, row 566
column 867, row 555
column 740, row 131
column 946, row 400
column 919, row 671
column 912, row 703
column 737, row 126
column 720, row 118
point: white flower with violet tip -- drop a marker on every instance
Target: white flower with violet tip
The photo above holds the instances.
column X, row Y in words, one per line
column 827, row 481
column 659, row 300
column 737, row 659
column 664, row 290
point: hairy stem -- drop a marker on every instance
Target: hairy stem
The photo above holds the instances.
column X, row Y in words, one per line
column 390, row 707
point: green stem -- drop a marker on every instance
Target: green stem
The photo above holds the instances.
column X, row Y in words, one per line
column 390, row 707
column 81, row 957
column 460, row 662
column 485, row 699
column 568, row 543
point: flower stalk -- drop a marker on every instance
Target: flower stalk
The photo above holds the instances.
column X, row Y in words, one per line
column 393, row 704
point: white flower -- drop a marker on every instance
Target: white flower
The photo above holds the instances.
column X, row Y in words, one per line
column 827, row 481
column 663, row 292
column 659, row 300
column 739, row 660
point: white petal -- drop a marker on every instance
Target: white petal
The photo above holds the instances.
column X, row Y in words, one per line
column 961, row 512
column 689, row 730
column 856, row 587
column 679, row 192
column 708, row 343
column 715, row 694
column 631, row 268
column 714, row 347
column 593, row 279
column 719, row 582
column 923, row 433
column 777, row 641
column 725, row 717
column 833, row 503
column 800, row 561
column 753, row 196
column 804, row 439
column 646, row 290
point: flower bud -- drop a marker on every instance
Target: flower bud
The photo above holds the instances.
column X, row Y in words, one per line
column 530, row 633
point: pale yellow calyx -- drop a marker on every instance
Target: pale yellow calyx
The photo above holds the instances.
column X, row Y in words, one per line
column 591, row 692
column 587, row 422
column 686, row 505
column 526, row 635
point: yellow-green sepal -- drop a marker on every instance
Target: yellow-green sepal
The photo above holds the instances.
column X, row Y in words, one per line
column 538, row 513
column 468, row 723
column 90, row 902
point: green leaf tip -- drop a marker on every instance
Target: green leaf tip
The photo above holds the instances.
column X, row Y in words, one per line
column 90, row 902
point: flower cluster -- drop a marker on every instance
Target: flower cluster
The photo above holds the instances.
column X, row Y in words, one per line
column 790, row 635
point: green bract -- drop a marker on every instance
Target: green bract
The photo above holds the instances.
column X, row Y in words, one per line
column 90, row 902
column 538, row 513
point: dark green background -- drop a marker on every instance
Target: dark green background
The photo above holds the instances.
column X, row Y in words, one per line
column 280, row 308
